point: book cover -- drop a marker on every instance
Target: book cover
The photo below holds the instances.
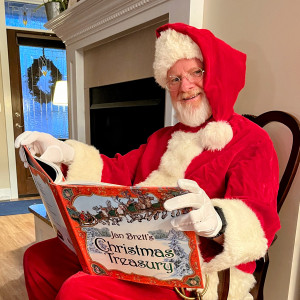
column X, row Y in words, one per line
column 125, row 232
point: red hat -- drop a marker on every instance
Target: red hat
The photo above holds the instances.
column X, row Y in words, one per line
column 225, row 67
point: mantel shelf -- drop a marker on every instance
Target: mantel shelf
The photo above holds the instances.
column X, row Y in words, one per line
column 88, row 17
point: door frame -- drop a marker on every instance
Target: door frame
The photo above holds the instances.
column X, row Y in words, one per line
column 16, row 37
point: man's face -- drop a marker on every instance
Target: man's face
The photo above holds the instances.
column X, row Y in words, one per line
column 188, row 97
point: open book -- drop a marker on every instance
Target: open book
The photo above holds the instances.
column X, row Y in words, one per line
column 119, row 231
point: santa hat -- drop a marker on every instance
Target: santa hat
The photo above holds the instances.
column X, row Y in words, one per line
column 225, row 69
column 169, row 48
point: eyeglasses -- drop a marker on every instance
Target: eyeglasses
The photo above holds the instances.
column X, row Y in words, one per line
column 192, row 76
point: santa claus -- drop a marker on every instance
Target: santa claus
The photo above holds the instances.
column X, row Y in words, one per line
column 226, row 162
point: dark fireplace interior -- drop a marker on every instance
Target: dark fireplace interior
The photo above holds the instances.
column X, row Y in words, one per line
column 123, row 115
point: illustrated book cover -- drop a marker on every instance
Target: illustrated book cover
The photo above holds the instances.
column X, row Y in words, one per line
column 119, row 231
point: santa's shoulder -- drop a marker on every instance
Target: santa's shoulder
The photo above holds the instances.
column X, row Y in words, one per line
column 248, row 131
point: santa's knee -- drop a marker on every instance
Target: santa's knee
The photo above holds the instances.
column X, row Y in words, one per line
column 73, row 288
column 31, row 260
column 39, row 258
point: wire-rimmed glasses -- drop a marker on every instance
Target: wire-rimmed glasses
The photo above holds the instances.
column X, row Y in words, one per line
column 192, row 76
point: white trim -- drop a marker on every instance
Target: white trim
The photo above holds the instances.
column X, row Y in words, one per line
column 243, row 241
column 87, row 164
column 183, row 147
column 29, row 29
column 7, row 105
column 5, row 194
column 196, row 13
column 170, row 119
column 176, row 160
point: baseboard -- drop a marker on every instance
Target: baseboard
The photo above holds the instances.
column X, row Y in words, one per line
column 5, row 194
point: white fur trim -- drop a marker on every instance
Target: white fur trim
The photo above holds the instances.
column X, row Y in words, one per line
column 217, row 135
column 240, row 285
column 169, row 48
column 87, row 164
column 244, row 238
column 183, row 147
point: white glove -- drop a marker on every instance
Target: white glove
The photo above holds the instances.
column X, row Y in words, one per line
column 204, row 220
column 50, row 148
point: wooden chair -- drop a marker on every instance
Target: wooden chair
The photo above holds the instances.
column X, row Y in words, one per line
column 285, row 183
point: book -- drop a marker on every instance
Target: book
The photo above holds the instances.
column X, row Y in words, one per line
column 119, row 231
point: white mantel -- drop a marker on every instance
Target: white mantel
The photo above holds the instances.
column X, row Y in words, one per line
column 91, row 23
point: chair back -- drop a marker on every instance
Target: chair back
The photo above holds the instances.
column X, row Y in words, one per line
column 285, row 182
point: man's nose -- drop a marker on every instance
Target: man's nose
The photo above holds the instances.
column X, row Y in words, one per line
column 186, row 84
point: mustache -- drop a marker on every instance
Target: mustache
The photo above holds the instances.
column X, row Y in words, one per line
column 192, row 93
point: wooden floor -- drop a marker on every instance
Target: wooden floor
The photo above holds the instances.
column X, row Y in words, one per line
column 16, row 235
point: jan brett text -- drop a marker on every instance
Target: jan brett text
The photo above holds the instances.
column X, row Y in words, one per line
column 130, row 236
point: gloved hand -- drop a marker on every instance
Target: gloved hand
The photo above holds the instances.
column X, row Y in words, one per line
column 204, row 219
column 46, row 145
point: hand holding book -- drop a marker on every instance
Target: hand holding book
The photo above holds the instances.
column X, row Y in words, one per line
column 50, row 148
column 204, row 219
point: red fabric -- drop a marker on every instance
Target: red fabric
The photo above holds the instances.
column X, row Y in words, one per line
column 88, row 287
column 225, row 68
column 46, row 266
column 246, row 169
column 52, row 271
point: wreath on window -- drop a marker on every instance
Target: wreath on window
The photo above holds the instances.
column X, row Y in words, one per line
column 42, row 68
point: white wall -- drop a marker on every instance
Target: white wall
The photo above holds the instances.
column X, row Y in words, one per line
column 268, row 32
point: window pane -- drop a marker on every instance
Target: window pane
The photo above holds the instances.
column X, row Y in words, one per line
column 25, row 15
column 40, row 69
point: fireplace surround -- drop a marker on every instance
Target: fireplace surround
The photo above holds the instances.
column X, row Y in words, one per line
column 92, row 24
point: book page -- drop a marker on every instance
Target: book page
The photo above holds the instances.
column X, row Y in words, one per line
column 49, row 169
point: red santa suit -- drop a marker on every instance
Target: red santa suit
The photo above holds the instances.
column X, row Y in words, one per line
column 231, row 159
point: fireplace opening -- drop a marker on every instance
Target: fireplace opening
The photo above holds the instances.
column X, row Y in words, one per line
column 124, row 115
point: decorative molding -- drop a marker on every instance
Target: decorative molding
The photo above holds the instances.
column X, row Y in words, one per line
column 111, row 17
column 92, row 16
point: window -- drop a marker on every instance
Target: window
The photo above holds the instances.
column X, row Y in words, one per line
column 41, row 68
column 25, row 15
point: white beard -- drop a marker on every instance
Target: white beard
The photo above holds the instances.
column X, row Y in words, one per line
column 188, row 115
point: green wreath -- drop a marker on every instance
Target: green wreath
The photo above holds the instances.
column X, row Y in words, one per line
column 35, row 72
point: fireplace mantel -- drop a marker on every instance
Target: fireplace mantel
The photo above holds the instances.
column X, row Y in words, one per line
column 90, row 23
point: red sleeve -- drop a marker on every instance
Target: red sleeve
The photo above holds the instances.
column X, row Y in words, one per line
column 253, row 179
column 122, row 169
